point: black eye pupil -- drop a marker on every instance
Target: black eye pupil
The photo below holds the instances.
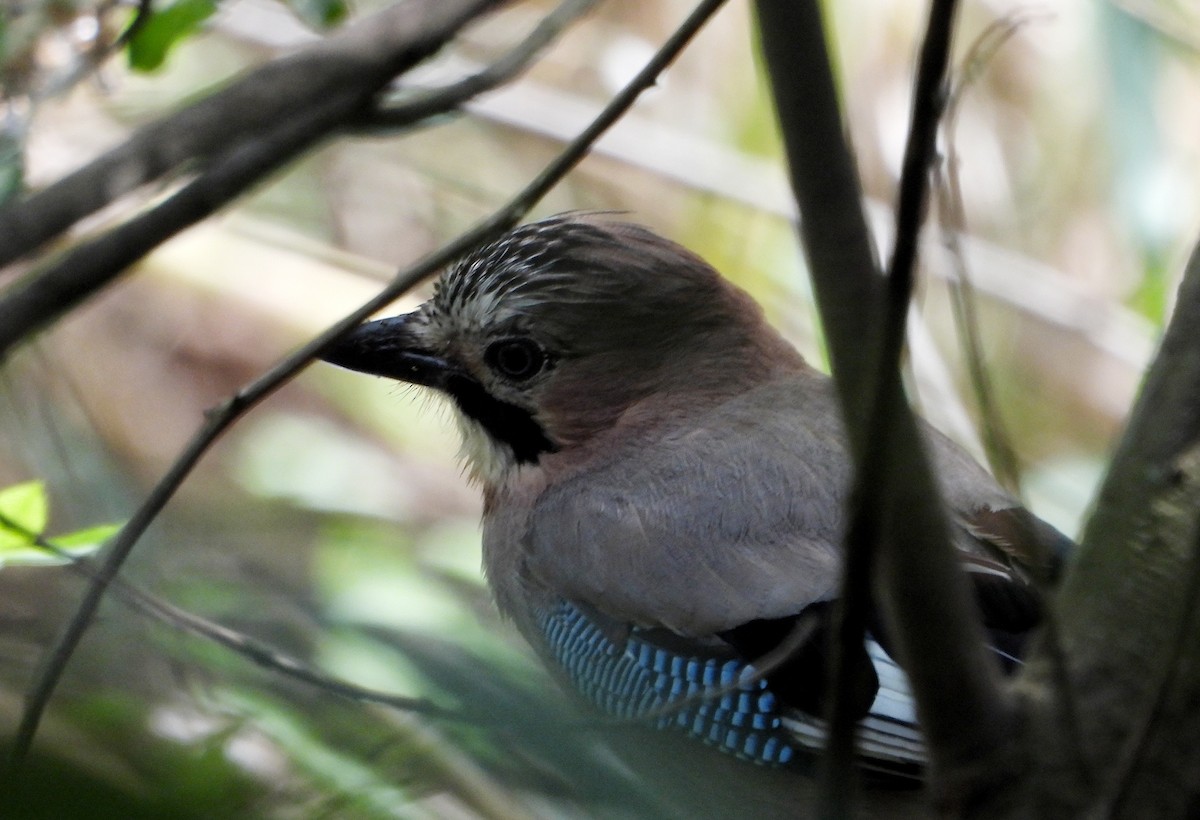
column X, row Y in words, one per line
column 516, row 358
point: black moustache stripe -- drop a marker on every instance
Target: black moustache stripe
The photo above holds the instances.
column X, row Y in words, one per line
column 504, row 422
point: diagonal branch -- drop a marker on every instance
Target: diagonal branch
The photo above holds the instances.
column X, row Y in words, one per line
column 257, row 652
column 421, row 106
column 222, row 417
column 46, row 294
column 1126, row 606
column 350, row 67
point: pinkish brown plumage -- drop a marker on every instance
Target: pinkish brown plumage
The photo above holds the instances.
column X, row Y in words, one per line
column 665, row 478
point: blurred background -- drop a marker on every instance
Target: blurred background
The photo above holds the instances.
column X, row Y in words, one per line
column 334, row 521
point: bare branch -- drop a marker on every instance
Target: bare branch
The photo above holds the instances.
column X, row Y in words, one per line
column 895, row 507
column 1126, row 606
column 250, row 395
column 254, row 650
column 833, row 228
column 350, row 66
column 919, row 579
column 46, row 294
column 421, row 106
column 952, row 219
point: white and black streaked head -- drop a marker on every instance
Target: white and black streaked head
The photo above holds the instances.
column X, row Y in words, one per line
column 548, row 335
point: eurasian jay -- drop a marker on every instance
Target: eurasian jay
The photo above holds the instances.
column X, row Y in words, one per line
column 665, row 483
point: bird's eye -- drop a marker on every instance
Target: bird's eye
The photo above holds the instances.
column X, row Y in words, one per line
column 516, row 359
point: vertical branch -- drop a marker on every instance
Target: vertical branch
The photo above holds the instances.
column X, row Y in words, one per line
column 833, row 228
column 923, row 592
column 894, row 508
column 1002, row 457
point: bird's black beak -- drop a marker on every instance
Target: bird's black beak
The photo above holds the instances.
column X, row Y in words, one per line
column 391, row 348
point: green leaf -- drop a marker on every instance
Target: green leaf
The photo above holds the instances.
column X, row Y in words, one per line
column 149, row 45
column 24, row 505
column 28, row 509
column 319, row 13
column 37, row 557
column 89, row 538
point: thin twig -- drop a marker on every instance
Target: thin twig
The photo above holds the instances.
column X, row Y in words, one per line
column 419, row 106
column 953, row 221
column 952, row 216
column 926, row 595
column 875, row 468
column 254, row 650
column 222, row 417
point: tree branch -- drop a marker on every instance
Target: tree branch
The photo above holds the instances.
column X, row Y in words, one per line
column 418, row 107
column 344, row 71
column 953, row 226
column 46, row 294
column 250, row 395
column 250, row 648
column 833, row 227
column 895, row 507
column 1126, row 604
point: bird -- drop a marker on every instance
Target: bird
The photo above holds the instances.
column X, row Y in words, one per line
column 664, row 483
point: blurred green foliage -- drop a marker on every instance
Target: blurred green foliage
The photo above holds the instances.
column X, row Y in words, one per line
column 169, row 24
column 320, row 14
column 165, row 27
column 25, row 514
column 12, row 164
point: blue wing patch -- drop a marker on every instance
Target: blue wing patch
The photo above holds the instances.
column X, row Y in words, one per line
column 719, row 700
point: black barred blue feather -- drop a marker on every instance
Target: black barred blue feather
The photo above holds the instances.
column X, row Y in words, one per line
column 720, row 698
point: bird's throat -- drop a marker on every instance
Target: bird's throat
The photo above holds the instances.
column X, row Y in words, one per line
column 496, row 435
